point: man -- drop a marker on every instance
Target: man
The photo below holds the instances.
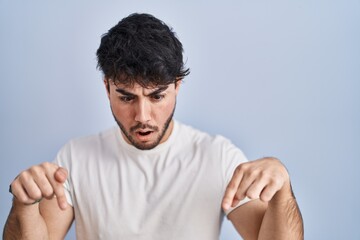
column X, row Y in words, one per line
column 150, row 177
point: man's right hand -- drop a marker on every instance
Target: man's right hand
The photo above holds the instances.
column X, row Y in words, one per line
column 44, row 180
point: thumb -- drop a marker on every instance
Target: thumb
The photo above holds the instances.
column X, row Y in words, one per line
column 61, row 175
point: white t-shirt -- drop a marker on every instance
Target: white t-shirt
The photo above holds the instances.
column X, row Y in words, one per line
column 173, row 191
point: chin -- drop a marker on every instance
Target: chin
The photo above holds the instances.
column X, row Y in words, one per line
column 145, row 147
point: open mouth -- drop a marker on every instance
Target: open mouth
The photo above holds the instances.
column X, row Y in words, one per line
column 144, row 133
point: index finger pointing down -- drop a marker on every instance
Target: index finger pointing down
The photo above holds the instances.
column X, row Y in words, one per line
column 59, row 191
column 231, row 189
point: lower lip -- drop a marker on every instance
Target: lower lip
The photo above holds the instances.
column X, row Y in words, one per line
column 144, row 138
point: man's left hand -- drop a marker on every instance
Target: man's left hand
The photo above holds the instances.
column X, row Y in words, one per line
column 261, row 178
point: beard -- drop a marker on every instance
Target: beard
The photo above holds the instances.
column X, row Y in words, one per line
column 140, row 145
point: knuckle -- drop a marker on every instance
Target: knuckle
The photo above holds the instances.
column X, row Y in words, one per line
column 14, row 183
column 275, row 159
column 255, row 173
column 59, row 191
column 60, row 195
column 244, row 166
column 22, row 198
column 276, row 182
column 46, row 165
column 266, row 176
column 271, row 158
column 252, row 195
column 266, row 195
column 24, row 176
column 231, row 186
column 15, row 186
column 34, row 193
column 237, row 170
column 241, row 168
column 47, row 192
column 35, row 170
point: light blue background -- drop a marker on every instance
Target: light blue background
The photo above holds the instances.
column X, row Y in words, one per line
column 279, row 78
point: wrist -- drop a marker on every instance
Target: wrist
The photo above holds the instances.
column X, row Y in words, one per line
column 21, row 207
column 284, row 195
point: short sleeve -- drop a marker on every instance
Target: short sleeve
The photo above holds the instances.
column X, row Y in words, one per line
column 63, row 159
column 232, row 156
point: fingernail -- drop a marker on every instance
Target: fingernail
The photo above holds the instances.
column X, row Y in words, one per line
column 63, row 205
column 62, row 173
column 226, row 206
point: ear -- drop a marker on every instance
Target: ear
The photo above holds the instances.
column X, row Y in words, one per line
column 177, row 86
column 107, row 86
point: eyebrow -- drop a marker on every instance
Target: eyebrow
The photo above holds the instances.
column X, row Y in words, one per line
column 124, row 92
column 157, row 91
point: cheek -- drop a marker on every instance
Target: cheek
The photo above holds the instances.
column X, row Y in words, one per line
column 121, row 112
column 165, row 111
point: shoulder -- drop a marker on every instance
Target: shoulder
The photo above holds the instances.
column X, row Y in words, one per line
column 196, row 135
column 211, row 144
column 91, row 145
column 94, row 140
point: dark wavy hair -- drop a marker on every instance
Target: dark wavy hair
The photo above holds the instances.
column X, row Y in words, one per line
column 141, row 49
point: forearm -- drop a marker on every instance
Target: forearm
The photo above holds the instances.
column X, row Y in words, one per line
column 25, row 222
column 282, row 219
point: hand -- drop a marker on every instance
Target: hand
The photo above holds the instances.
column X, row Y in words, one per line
column 44, row 180
column 262, row 179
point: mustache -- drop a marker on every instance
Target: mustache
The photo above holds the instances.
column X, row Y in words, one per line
column 143, row 126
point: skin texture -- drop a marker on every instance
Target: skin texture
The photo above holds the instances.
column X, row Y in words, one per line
column 49, row 219
column 140, row 110
column 145, row 118
column 273, row 213
column 137, row 110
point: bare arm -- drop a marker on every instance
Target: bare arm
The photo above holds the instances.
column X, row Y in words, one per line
column 282, row 219
column 274, row 214
column 49, row 219
column 24, row 222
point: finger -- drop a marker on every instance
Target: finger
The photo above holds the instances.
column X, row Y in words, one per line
column 38, row 173
column 231, row 188
column 59, row 191
column 45, row 187
column 256, row 188
column 61, row 175
column 269, row 191
column 248, row 179
column 31, row 190
column 19, row 192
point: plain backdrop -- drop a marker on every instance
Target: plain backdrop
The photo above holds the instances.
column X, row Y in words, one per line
column 279, row 78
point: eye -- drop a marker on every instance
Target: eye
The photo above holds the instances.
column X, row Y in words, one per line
column 158, row 97
column 126, row 99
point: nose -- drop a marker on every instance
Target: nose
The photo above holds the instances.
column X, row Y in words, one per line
column 143, row 111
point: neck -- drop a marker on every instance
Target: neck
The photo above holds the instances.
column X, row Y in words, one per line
column 168, row 132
